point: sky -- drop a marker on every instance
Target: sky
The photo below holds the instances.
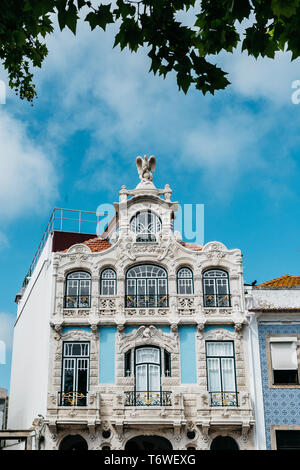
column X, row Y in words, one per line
column 98, row 108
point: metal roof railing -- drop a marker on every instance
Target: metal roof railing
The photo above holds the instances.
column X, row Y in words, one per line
column 77, row 221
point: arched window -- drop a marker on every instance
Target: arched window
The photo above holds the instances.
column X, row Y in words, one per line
column 216, row 288
column 108, row 282
column 145, row 225
column 224, row 443
column 78, row 290
column 72, row 442
column 146, row 286
column 185, row 283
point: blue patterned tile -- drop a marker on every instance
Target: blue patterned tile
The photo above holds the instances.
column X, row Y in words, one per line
column 280, row 406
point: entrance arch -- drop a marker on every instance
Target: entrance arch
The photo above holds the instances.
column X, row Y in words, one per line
column 148, row 443
column 75, row 442
column 224, row 443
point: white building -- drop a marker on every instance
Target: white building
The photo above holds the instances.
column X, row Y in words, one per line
column 136, row 342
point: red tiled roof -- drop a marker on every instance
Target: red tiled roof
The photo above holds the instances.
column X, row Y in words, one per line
column 284, row 281
column 191, row 246
column 96, row 244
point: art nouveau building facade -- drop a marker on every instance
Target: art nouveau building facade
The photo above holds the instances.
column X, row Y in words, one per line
column 136, row 342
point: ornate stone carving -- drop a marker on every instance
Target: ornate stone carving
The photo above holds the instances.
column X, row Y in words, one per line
column 76, row 313
column 148, row 335
column 186, row 305
column 79, row 249
column 58, row 330
column 200, row 329
column 238, row 327
column 205, row 399
column 107, row 306
column 146, row 312
column 217, row 311
column 145, row 169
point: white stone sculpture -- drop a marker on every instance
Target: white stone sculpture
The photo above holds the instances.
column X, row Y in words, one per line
column 145, row 168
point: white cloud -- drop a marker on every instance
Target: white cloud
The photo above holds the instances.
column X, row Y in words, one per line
column 265, row 78
column 128, row 111
column 27, row 177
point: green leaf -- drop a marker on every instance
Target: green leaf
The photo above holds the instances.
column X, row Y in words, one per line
column 71, row 18
column 102, row 17
column 285, row 8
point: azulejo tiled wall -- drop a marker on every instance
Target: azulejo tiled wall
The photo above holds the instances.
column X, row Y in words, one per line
column 282, row 405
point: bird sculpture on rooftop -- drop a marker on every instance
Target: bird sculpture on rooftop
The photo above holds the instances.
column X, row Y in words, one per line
column 145, row 168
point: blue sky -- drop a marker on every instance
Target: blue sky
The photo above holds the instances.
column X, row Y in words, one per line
column 236, row 152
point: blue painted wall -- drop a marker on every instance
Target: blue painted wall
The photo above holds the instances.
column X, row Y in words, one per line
column 187, row 335
column 107, row 354
column 281, row 405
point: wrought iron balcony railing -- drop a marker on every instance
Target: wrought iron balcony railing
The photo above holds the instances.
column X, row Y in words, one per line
column 216, row 300
column 223, row 398
column 146, row 301
column 147, row 398
column 77, row 301
column 73, row 399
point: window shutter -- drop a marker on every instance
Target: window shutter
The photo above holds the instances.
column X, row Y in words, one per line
column 284, row 353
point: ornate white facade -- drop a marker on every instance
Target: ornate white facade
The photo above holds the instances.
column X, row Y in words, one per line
column 179, row 326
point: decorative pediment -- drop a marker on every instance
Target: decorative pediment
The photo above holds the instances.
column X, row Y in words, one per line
column 219, row 334
column 214, row 247
column 217, row 252
column 77, row 335
column 79, row 248
column 148, row 335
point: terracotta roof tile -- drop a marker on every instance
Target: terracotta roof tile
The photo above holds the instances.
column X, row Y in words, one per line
column 284, row 281
column 95, row 244
column 191, row 246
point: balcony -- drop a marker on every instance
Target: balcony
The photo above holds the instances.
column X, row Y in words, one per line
column 147, row 301
column 216, row 300
column 72, row 399
column 223, row 398
column 147, row 398
column 77, row 301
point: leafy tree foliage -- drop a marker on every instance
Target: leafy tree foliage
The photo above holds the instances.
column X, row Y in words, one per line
column 173, row 46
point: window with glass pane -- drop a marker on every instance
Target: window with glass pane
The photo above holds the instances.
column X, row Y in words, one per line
column 221, row 378
column 185, row 283
column 284, row 360
column 127, row 363
column 146, row 286
column 108, row 282
column 145, row 224
column 75, row 374
column 78, row 290
column 147, row 376
column 216, row 288
column 167, row 364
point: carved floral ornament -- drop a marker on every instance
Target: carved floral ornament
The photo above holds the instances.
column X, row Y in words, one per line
column 127, row 252
column 221, row 334
column 148, row 335
column 74, row 334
